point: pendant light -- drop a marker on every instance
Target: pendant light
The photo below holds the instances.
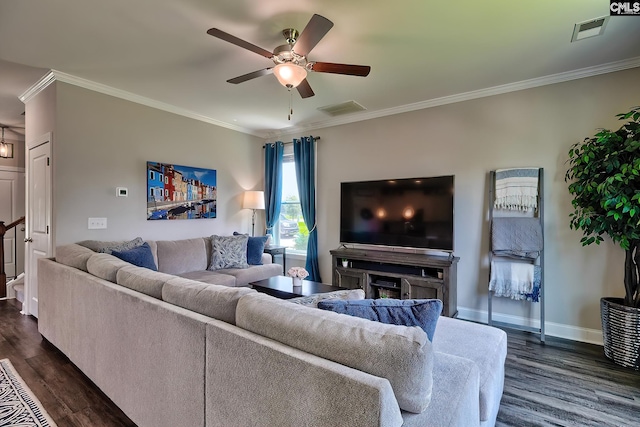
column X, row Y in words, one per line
column 6, row 149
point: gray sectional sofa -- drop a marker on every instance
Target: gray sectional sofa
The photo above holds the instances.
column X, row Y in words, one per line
column 173, row 351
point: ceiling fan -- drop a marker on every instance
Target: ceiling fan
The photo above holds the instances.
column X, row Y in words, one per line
column 291, row 62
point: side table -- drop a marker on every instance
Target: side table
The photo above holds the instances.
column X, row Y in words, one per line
column 278, row 251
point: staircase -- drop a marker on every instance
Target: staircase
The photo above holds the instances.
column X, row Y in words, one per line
column 3, row 275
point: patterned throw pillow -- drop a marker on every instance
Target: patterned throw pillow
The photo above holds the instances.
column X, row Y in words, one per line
column 313, row 300
column 140, row 256
column 228, row 252
column 409, row 312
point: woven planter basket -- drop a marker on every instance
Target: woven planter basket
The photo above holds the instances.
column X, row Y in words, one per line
column 621, row 332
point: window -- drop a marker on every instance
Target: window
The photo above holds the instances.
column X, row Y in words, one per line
column 290, row 230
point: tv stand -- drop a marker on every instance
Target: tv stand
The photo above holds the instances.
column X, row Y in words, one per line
column 387, row 274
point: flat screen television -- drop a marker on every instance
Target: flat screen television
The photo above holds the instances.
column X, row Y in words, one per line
column 412, row 212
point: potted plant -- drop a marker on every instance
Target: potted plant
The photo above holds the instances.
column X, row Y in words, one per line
column 604, row 171
column 345, row 262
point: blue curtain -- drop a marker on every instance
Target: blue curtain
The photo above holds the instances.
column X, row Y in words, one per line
column 272, row 182
column 304, row 154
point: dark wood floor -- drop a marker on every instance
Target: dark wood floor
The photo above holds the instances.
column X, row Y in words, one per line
column 566, row 383
column 67, row 395
column 561, row 383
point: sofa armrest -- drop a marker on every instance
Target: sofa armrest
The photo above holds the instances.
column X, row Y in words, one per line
column 267, row 258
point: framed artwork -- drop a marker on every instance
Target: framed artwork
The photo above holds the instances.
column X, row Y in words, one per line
column 180, row 192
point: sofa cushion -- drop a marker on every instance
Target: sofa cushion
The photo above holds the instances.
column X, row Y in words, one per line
column 400, row 354
column 214, row 301
column 74, row 255
column 106, row 247
column 423, row 313
column 484, row 345
column 313, row 300
column 228, row 252
column 255, row 248
column 253, row 273
column 143, row 280
column 140, row 256
column 181, row 256
column 212, row 277
column 105, row 266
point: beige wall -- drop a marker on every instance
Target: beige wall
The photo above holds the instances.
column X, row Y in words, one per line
column 102, row 142
column 534, row 127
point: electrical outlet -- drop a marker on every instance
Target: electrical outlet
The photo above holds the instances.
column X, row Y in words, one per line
column 97, row 223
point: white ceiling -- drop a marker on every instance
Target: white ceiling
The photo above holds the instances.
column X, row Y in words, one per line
column 418, row 50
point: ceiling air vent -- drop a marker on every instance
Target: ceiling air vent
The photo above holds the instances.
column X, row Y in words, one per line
column 341, row 109
column 591, row 28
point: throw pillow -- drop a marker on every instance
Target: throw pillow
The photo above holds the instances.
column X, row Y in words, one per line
column 255, row 248
column 107, row 247
column 140, row 256
column 313, row 300
column 420, row 312
column 228, row 252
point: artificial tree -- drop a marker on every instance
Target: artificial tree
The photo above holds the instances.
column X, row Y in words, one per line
column 605, row 175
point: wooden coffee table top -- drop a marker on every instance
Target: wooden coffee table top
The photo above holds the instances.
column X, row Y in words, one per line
column 282, row 287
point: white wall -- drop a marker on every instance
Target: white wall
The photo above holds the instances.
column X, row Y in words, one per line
column 534, row 127
column 101, row 142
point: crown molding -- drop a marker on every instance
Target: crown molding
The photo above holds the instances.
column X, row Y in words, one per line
column 467, row 96
column 582, row 73
column 54, row 75
column 37, row 87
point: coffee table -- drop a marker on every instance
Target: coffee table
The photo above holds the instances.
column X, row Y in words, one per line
column 282, row 287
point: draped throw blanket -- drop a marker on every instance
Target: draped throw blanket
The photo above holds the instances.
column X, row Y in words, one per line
column 516, row 189
column 515, row 280
column 516, row 237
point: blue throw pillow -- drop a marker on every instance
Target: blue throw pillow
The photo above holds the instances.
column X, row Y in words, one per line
column 408, row 312
column 255, row 248
column 140, row 256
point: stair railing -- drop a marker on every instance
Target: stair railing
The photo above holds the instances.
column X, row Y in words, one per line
column 3, row 274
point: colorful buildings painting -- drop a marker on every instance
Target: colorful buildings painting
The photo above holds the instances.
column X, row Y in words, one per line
column 180, row 192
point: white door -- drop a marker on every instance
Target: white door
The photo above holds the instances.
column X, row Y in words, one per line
column 38, row 237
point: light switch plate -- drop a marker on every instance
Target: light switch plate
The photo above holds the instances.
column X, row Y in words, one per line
column 97, row 223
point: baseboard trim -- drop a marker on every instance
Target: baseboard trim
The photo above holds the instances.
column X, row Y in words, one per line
column 574, row 333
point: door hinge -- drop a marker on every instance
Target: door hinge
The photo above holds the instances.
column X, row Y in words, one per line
column 48, row 162
column 47, row 229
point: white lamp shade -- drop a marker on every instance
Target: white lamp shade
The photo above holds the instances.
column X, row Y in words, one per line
column 253, row 200
column 289, row 75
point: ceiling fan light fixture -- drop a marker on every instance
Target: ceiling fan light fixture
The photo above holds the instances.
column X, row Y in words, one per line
column 289, row 75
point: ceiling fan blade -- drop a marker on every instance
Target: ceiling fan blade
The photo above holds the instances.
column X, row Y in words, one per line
column 351, row 70
column 315, row 30
column 304, row 89
column 239, row 42
column 250, row 76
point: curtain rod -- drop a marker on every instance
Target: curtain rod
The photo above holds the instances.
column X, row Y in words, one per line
column 316, row 138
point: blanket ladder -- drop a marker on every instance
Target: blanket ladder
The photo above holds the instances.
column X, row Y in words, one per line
column 539, row 261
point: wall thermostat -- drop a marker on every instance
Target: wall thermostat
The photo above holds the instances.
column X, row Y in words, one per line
column 122, row 192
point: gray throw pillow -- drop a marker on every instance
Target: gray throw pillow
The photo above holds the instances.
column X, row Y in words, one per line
column 228, row 252
column 108, row 247
column 313, row 300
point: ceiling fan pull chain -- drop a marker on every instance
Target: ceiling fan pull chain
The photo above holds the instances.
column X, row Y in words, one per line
column 290, row 104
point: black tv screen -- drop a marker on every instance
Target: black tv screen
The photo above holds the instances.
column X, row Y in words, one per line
column 414, row 213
